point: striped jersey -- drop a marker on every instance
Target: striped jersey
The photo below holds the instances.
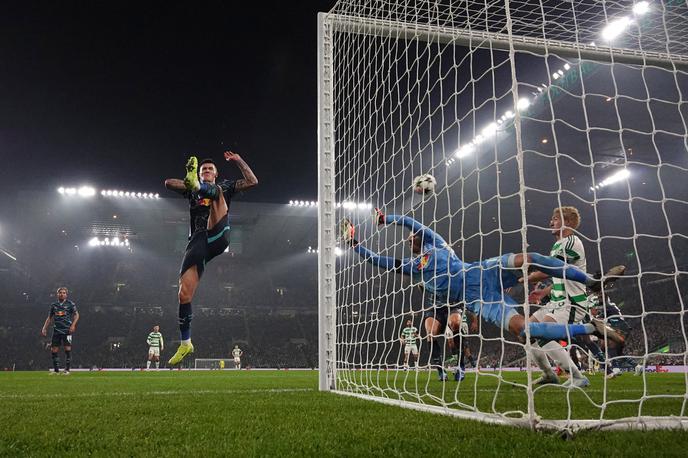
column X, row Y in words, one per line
column 155, row 339
column 410, row 335
column 564, row 292
column 236, row 352
column 63, row 316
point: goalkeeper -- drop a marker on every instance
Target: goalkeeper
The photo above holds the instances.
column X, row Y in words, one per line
column 480, row 285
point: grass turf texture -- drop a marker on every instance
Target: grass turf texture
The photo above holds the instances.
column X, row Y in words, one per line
column 271, row 413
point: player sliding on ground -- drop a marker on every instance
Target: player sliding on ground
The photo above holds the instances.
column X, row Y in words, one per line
column 209, row 235
column 480, row 285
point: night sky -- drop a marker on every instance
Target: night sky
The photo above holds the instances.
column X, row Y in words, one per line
column 119, row 94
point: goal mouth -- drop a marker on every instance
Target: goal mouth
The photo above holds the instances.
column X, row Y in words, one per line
column 514, row 109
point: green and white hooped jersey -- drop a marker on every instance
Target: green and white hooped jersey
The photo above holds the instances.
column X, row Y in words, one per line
column 154, row 339
column 566, row 292
column 410, row 335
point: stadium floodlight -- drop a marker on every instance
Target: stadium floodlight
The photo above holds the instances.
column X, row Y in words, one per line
column 87, row 191
column 615, row 28
column 366, row 50
column 641, row 8
column 130, row 194
column 107, row 241
column 61, row 190
column 464, row 151
column 523, row 104
column 346, row 204
column 489, row 130
column 623, row 174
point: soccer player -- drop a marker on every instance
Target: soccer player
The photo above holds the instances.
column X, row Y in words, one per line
column 462, row 347
column 155, row 346
column 568, row 301
column 615, row 348
column 237, row 353
column 479, row 284
column 409, row 336
column 209, row 229
column 437, row 318
column 64, row 316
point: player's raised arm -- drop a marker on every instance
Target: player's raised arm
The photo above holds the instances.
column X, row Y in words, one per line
column 249, row 179
column 348, row 232
column 428, row 235
column 175, row 184
column 404, row 266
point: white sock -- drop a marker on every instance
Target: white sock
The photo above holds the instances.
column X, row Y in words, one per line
column 561, row 355
column 148, row 364
column 541, row 360
column 186, row 342
column 157, row 364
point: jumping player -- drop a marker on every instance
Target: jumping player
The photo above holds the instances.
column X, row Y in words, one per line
column 209, row 230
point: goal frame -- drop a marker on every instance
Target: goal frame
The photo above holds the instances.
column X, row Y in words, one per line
column 328, row 25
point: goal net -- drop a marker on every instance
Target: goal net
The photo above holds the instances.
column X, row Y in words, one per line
column 516, row 108
column 213, row 363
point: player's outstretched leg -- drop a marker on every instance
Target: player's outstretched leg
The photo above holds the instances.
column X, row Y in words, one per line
column 555, row 267
column 191, row 179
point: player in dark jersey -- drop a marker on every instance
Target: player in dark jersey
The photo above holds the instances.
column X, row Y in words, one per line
column 605, row 308
column 209, row 201
column 64, row 316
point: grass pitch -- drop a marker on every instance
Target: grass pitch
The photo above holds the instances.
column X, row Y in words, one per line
column 281, row 413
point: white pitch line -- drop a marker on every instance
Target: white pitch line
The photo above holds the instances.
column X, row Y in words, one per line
column 154, row 393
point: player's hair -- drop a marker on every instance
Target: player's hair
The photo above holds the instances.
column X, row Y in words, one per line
column 62, row 288
column 571, row 216
column 207, row 161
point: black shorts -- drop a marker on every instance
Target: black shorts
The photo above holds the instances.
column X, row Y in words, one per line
column 61, row 339
column 206, row 245
column 442, row 312
column 439, row 308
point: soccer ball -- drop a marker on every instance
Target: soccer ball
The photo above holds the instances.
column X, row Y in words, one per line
column 424, row 184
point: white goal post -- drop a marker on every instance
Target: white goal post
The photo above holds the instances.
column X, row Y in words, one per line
column 516, row 108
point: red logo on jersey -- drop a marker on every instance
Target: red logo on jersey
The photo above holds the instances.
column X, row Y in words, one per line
column 205, row 202
column 60, row 313
column 423, row 261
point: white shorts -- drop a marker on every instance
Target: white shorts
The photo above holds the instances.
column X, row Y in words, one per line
column 154, row 351
column 561, row 315
column 237, row 360
column 413, row 348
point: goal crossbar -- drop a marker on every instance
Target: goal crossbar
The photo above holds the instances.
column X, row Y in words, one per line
column 501, row 41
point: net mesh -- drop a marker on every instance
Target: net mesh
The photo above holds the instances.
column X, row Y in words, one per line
column 510, row 133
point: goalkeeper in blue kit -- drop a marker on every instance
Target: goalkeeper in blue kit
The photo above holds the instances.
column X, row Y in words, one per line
column 480, row 285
